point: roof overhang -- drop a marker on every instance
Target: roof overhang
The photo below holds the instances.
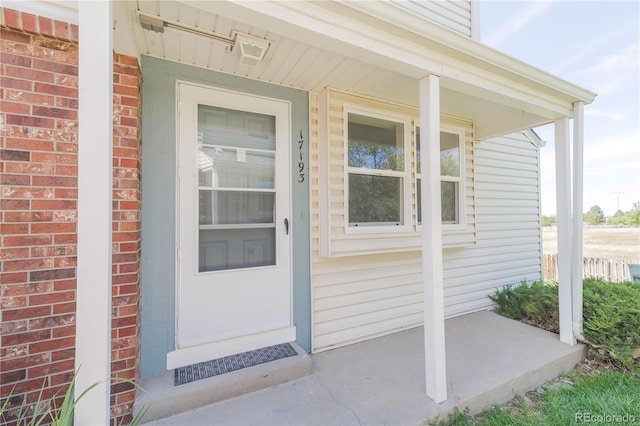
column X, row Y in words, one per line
column 364, row 50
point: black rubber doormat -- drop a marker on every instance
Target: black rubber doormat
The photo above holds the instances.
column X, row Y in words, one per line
column 203, row 370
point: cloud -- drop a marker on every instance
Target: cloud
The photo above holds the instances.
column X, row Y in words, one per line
column 525, row 15
column 615, row 70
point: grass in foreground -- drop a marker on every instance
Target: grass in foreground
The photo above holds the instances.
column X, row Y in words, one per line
column 608, row 397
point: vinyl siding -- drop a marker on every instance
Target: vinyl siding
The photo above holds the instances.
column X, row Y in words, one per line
column 453, row 14
column 359, row 297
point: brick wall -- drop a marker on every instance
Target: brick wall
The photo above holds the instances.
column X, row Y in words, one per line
column 126, row 236
column 38, row 172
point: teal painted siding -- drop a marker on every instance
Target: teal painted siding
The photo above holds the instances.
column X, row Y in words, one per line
column 159, row 209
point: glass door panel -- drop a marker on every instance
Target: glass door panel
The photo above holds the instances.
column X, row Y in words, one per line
column 236, row 184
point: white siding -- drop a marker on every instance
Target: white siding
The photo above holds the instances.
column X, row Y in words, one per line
column 356, row 298
column 453, row 14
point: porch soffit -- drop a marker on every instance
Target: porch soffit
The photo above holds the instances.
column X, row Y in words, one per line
column 343, row 45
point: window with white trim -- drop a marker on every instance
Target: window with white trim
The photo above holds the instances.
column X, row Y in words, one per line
column 376, row 171
column 451, row 176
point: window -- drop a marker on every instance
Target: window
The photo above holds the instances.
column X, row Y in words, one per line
column 450, row 176
column 376, row 171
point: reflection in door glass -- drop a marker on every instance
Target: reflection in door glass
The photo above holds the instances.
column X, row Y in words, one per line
column 236, row 178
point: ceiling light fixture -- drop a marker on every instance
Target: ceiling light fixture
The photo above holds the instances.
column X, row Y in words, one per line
column 250, row 49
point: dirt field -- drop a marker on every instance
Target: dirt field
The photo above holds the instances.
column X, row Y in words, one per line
column 601, row 242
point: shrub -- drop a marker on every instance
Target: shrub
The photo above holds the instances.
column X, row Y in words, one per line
column 611, row 313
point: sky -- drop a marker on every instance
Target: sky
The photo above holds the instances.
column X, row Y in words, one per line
column 596, row 45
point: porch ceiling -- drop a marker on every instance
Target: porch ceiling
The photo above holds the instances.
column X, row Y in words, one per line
column 310, row 55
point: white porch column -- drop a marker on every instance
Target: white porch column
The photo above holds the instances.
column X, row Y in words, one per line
column 576, row 250
column 432, row 277
column 563, row 207
column 95, row 130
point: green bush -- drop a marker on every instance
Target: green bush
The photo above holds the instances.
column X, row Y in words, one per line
column 611, row 313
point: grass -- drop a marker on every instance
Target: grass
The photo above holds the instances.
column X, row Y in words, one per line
column 605, row 389
column 572, row 400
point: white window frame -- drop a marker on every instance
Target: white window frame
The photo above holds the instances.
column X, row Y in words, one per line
column 406, row 213
column 461, row 180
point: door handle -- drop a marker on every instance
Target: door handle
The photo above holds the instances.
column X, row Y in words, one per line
column 286, row 226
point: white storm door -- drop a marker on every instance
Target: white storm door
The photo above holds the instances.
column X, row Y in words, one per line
column 233, row 256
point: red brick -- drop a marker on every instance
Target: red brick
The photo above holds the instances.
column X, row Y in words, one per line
column 7, row 179
column 65, row 239
column 63, row 285
column 26, row 240
column 64, row 308
column 30, row 168
column 64, row 331
column 14, row 204
column 73, row 33
column 13, row 302
column 29, row 97
column 12, row 18
column 47, row 157
column 53, row 205
column 26, row 192
column 66, row 102
column 30, row 144
column 67, row 147
column 27, row 264
column 25, row 120
column 46, row 26
column 55, row 181
column 54, row 274
column 66, row 193
column 13, row 376
column 51, row 298
column 50, row 345
column 14, row 228
column 9, row 35
column 29, row 23
column 16, row 60
column 61, row 30
column 66, row 170
column 25, row 313
column 52, row 89
column 14, row 107
column 130, row 101
column 27, row 337
column 13, row 155
column 30, row 216
column 23, row 288
column 21, row 387
column 12, row 278
column 45, row 111
column 63, row 354
column 14, row 253
column 51, row 368
column 15, row 83
column 66, row 80
column 53, row 228
column 29, row 74
column 51, row 322
column 58, row 68
column 24, row 362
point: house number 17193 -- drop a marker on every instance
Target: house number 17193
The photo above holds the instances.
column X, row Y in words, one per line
column 301, row 163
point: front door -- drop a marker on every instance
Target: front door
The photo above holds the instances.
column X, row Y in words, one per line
column 233, row 249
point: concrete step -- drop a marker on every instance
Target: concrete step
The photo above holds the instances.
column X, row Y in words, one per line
column 162, row 399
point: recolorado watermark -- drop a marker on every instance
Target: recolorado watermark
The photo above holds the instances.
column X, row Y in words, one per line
column 605, row 418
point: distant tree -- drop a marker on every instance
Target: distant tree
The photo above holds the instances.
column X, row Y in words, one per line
column 634, row 214
column 549, row 220
column 619, row 218
column 595, row 216
column 628, row 218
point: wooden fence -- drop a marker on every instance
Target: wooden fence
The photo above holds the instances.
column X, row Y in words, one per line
column 614, row 270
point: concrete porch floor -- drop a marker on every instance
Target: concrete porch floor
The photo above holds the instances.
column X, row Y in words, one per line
column 489, row 360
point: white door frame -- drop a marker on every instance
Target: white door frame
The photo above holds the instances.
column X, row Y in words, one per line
column 185, row 355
